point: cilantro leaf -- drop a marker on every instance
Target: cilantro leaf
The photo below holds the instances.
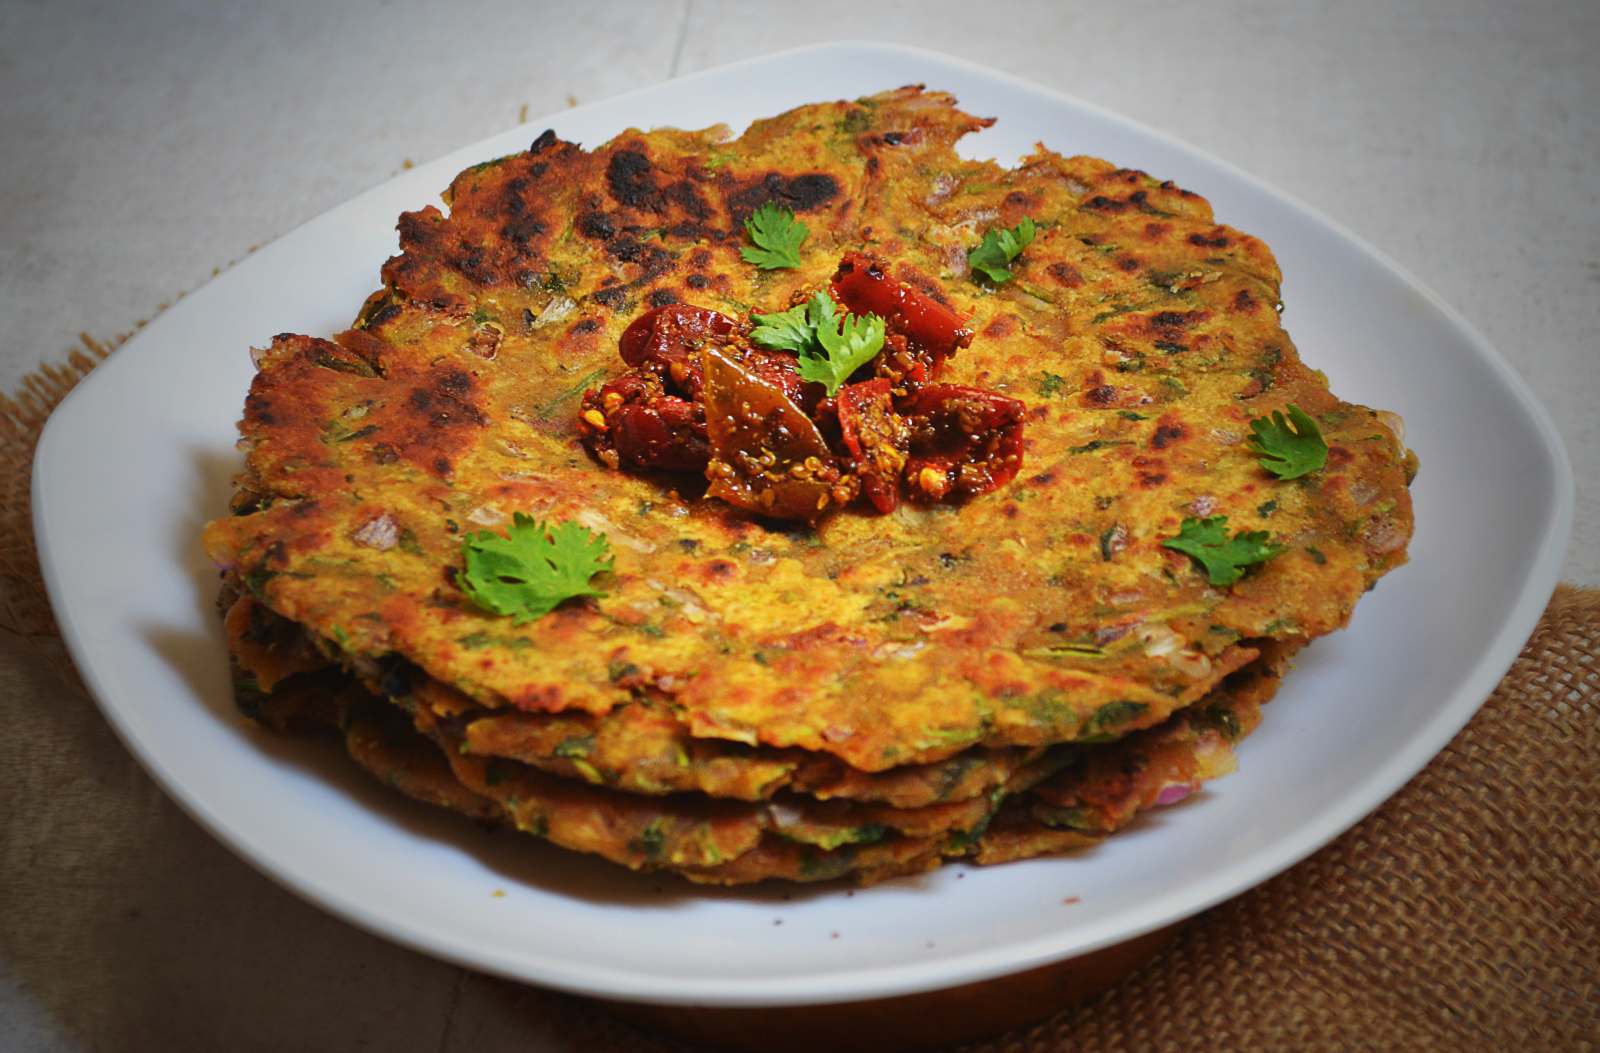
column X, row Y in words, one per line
column 822, row 313
column 847, row 345
column 1207, row 542
column 785, row 331
column 777, row 236
column 1285, row 452
column 999, row 248
column 533, row 567
column 830, row 345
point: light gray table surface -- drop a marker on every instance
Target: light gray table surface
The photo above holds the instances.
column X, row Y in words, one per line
column 145, row 145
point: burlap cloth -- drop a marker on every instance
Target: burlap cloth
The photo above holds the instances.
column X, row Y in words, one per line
column 1463, row 915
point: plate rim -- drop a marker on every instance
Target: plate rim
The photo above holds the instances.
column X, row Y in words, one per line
column 904, row 978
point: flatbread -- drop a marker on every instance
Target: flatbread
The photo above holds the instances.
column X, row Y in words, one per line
column 915, row 664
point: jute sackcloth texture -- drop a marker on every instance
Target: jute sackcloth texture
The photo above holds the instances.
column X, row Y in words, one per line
column 1463, row 915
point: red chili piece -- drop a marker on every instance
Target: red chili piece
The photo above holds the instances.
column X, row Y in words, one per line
column 667, row 434
column 862, row 285
column 877, row 438
column 667, row 339
column 632, row 422
column 673, row 333
column 964, row 441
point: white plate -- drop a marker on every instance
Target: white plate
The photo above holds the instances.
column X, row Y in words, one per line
column 140, row 455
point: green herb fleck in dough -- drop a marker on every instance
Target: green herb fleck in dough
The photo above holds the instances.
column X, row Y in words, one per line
column 1049, row 384
column 1098, row 444
column 651, row 840
column 1216, row 718
column 577, row 746
column 1114, row 715
column 855, row 121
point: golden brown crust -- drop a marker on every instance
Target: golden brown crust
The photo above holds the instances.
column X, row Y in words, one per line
column 398, row 757
column 1099, row 789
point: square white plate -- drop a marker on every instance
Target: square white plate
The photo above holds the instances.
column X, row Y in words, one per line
column 140, row 456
